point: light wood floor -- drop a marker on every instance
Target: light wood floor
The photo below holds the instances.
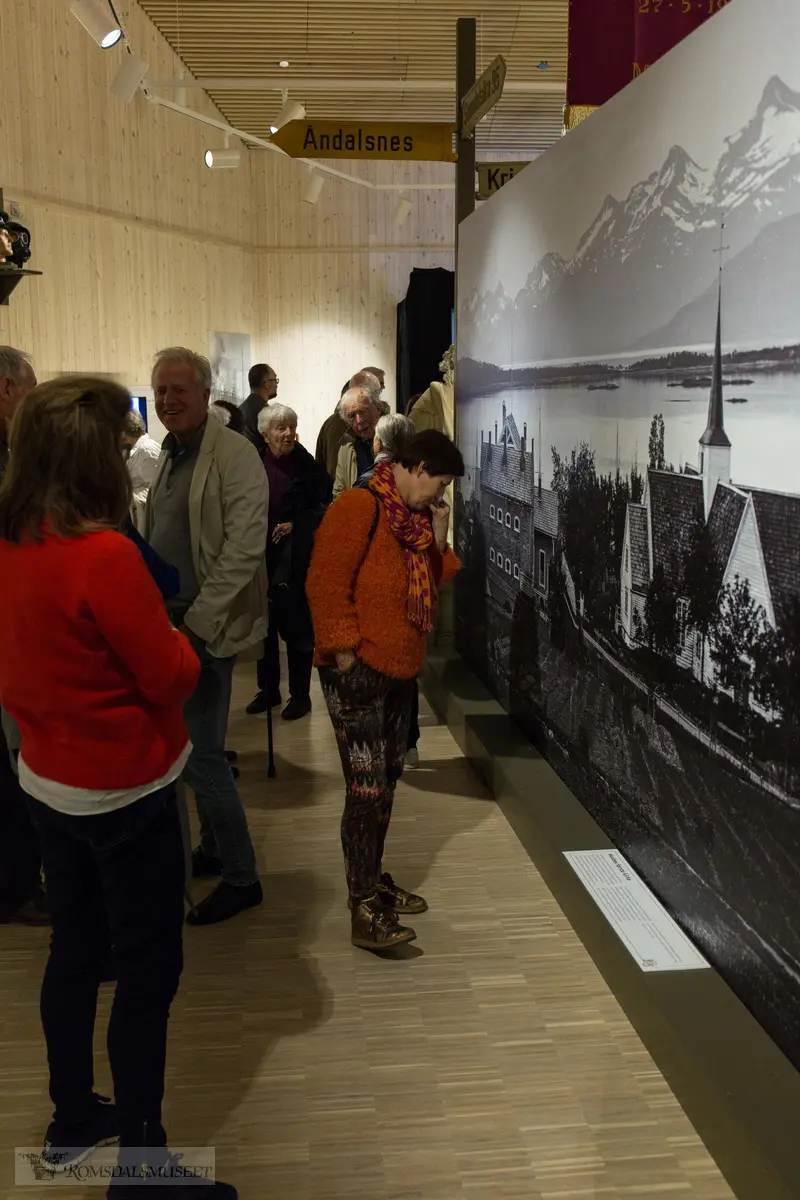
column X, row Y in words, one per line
column 487, row 1061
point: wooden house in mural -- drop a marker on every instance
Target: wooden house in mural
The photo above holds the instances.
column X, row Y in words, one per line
column 751, row 533
column 519, row 516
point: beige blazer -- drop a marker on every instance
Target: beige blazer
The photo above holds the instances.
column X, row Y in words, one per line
column 228, row 509
column 346, row 467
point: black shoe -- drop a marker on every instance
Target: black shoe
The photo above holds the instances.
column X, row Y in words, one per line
column 232, row 756
column 146, row 1162
column 262, row 701
column 205, row 866
column 66, row 1146
column 225, row 902
column 234, row 770
column 296, row 709
column 187, row 1190
column 32, row 912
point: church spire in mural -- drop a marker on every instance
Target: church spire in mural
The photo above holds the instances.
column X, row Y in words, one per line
column 715, row 434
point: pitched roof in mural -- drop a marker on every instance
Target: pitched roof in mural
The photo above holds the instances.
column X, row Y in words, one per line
column 727, row 510
column 545, row 512
column 778, row 517
column 510, row 435
column 639, row 542
column 676, row 506
column 505, row 467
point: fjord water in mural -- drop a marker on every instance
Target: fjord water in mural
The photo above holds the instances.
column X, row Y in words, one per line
column 628, row 387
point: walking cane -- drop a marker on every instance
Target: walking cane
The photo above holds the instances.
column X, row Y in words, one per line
column 270, row 747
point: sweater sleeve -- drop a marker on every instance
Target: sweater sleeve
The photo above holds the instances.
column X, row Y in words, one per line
column 445, row 566
column 341, row 544
column 130, row 614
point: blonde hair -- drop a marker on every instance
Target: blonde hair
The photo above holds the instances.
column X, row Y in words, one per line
column 66, row 474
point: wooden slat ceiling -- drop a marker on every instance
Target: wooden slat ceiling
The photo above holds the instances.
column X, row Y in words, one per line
column 351, row 42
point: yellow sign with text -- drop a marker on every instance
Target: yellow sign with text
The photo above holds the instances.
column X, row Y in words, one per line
column 398, row 141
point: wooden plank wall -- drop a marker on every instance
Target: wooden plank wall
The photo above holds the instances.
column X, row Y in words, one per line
column 141, row 246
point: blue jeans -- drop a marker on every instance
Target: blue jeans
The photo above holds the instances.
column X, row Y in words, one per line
column 223, row 824
column 112, row 878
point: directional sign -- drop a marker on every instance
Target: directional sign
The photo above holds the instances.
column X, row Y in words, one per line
column 401, row 140
column 482, row 97
column 493, row 176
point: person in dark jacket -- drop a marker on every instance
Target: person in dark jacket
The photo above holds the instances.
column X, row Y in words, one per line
column 299, row 492
column 230, row 415
column 263, row 390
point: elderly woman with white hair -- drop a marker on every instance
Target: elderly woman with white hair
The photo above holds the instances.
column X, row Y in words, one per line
column 299, row 491
column 392, row 434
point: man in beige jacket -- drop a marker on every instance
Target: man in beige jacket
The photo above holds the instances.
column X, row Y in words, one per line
column 207, row 515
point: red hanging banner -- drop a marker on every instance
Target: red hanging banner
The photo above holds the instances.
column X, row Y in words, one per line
column 613, row 41
column 601, row 40
column 661, row 24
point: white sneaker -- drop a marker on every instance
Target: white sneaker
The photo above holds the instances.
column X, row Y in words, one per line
column 412, row 758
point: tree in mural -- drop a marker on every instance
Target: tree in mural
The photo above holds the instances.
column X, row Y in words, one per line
column 556, row 601
column 702, row 582
column 657, row 460
column 584, row 512
column 738, row 640
column 661, row 615
column 777, row 675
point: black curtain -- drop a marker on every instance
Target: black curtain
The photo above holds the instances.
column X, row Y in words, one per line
column 424, row 330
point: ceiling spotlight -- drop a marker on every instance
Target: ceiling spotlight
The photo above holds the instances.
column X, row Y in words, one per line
column 217, row 159
column 291, row 111
column 313, row 188
column 129, row 78
column 284, row 63
column 402, row 210
column 95, row 17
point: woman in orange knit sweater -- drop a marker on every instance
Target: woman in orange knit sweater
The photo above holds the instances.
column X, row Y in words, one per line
column 380, row 556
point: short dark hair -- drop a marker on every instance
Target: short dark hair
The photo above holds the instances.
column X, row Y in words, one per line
column 346, row 388
column 434, row 452
column 257, row 376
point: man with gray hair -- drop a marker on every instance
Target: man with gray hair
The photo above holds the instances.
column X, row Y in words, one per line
column 361, row 410
column 21, row 895
column 335, row 427
column 143, row 455
column 207, row 515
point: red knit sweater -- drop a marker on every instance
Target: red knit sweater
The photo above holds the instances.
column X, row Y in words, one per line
column 90, row 667
column 365, row 607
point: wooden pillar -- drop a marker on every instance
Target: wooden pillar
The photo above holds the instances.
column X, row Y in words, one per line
column 466, row 42
column 466, row 52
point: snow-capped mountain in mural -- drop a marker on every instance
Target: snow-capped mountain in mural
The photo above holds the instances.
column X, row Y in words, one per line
column 605, row 298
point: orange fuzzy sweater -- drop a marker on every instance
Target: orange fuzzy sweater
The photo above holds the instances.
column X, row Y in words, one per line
column 366, row 610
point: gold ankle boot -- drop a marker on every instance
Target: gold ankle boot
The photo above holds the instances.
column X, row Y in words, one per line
column 375, row 927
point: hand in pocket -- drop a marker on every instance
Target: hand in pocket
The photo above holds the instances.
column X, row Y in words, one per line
column 345, row 661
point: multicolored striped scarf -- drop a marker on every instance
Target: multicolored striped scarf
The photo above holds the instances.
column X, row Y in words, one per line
column 414, row 533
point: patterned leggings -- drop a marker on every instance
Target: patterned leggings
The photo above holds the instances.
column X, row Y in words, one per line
column 370, row 714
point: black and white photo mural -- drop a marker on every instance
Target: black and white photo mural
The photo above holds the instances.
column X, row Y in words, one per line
column 628, row 406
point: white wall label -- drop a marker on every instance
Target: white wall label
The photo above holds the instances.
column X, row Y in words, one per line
column 636, row 916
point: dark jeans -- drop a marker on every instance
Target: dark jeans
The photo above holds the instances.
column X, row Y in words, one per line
column 413, row 725
column 290, row 619
column 370, row 716
column 112, row 878
column 20, row 856
column 223, row 824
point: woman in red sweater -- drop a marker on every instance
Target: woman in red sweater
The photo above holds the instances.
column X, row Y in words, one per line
column 95, row 676
column 379, row 558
